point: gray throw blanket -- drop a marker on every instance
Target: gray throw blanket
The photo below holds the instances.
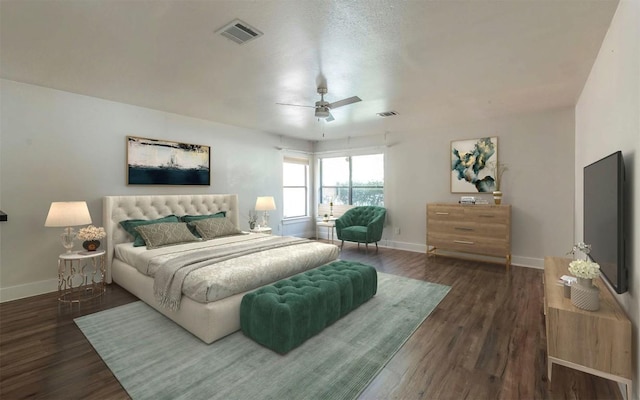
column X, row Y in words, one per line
column 167, row 285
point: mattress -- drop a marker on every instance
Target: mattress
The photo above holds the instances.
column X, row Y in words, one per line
column 231, row 276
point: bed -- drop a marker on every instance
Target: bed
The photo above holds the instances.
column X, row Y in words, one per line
column 208, row 318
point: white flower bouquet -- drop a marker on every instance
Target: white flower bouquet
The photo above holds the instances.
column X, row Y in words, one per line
column 91, row 233
column 584, row 269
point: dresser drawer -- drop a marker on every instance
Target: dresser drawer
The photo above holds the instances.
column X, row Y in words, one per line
column 465, row 228
column 487, row 213
column 444, row 212
column 478, row 245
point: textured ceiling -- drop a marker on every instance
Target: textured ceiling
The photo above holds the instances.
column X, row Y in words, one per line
column 431, row 61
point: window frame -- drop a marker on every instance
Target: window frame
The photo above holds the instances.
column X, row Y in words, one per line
column 299, row 161
column 350, row 187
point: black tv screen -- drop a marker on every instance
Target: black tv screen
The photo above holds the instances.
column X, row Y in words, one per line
column 604, row 218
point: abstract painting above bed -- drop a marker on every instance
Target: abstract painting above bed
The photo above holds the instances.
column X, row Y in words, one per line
column 164, row 162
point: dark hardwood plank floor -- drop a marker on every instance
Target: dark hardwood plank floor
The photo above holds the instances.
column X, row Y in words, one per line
column 485, row 340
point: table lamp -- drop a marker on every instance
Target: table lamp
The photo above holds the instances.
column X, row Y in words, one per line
column 67, row 214
column 266, row 204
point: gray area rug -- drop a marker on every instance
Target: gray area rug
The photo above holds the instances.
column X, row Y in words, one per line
column 153, row 358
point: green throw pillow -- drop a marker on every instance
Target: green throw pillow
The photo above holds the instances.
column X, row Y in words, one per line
column 191, row 218
column 130, row 226
column 212, row 228
column 165, row 233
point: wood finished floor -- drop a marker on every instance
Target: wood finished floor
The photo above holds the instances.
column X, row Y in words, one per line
column 485, row 340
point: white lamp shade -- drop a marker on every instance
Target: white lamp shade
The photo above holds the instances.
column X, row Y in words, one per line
column 265, row 203
column 68, row 213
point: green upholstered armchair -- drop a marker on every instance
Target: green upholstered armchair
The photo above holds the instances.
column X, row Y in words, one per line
column 362, row 224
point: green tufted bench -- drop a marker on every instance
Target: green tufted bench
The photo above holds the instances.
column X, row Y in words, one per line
column 283, row 315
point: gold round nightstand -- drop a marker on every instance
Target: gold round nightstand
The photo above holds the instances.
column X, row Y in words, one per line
column 81, row 276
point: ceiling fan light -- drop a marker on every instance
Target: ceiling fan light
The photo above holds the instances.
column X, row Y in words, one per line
column 322, row 112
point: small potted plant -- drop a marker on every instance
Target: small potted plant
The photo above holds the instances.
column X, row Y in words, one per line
column 325, row 218
column 91, row 236
column 253, row 217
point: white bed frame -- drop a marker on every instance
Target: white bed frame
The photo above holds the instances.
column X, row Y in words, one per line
column 210, row 321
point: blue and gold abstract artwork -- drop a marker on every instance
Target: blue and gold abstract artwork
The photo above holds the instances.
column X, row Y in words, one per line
column 473, row 164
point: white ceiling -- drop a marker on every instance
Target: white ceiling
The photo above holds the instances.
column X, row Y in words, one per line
column 431, row 61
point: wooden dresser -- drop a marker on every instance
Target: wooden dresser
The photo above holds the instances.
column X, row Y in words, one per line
column 476, row 229
column 596, row 342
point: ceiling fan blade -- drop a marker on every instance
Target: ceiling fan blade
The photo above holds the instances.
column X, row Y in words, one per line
column 345, row 102
column 329, row 118
column 294, row 105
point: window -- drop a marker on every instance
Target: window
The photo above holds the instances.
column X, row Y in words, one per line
column 356, row 180
column 295, row 178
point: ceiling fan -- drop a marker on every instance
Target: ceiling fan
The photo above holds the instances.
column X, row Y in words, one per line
column 323, row 108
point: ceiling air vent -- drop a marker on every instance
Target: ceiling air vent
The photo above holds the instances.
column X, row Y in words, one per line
column 239, row 32
column 387, row 114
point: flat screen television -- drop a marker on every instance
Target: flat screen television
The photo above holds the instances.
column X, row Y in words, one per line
column 604, row 218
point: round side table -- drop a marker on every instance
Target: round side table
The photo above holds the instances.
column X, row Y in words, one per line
column 261, row 229
column 81, row 276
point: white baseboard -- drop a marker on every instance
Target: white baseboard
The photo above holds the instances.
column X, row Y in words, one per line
column 530, row 262
column 520, row 261
column 415, row 247
column 28, row 290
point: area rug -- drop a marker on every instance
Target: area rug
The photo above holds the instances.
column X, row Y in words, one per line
column 153, row 358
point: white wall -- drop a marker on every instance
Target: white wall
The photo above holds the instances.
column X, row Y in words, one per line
column 59, row 146
column 607, row 120
column 539, row 184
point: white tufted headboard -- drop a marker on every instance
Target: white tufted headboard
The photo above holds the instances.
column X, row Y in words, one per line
column 120, row 208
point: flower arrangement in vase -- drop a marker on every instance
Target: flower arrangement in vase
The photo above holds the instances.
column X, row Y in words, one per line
column 584, row 269
column 91, row 236
column 584, row 294
column 253, row 218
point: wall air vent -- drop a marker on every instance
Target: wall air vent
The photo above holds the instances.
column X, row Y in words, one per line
column 387, row 114
column 239, row 32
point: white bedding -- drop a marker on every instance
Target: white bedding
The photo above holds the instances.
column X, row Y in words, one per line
column 139, row 256
column 232, row 276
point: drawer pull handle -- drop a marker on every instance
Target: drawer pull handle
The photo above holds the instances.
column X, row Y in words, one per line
column 441, row 213
column 463, row 228
column 487, row 215
column 462, row 242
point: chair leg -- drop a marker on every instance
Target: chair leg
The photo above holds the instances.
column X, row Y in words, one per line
column 341, row 245
column 376, row 247
column 366, row 248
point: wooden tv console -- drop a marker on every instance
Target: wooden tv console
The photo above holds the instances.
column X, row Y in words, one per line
column 477, row 229
column 596, row 342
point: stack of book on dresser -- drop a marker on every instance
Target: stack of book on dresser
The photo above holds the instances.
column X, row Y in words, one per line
column 467, row 200
column 472, row 200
